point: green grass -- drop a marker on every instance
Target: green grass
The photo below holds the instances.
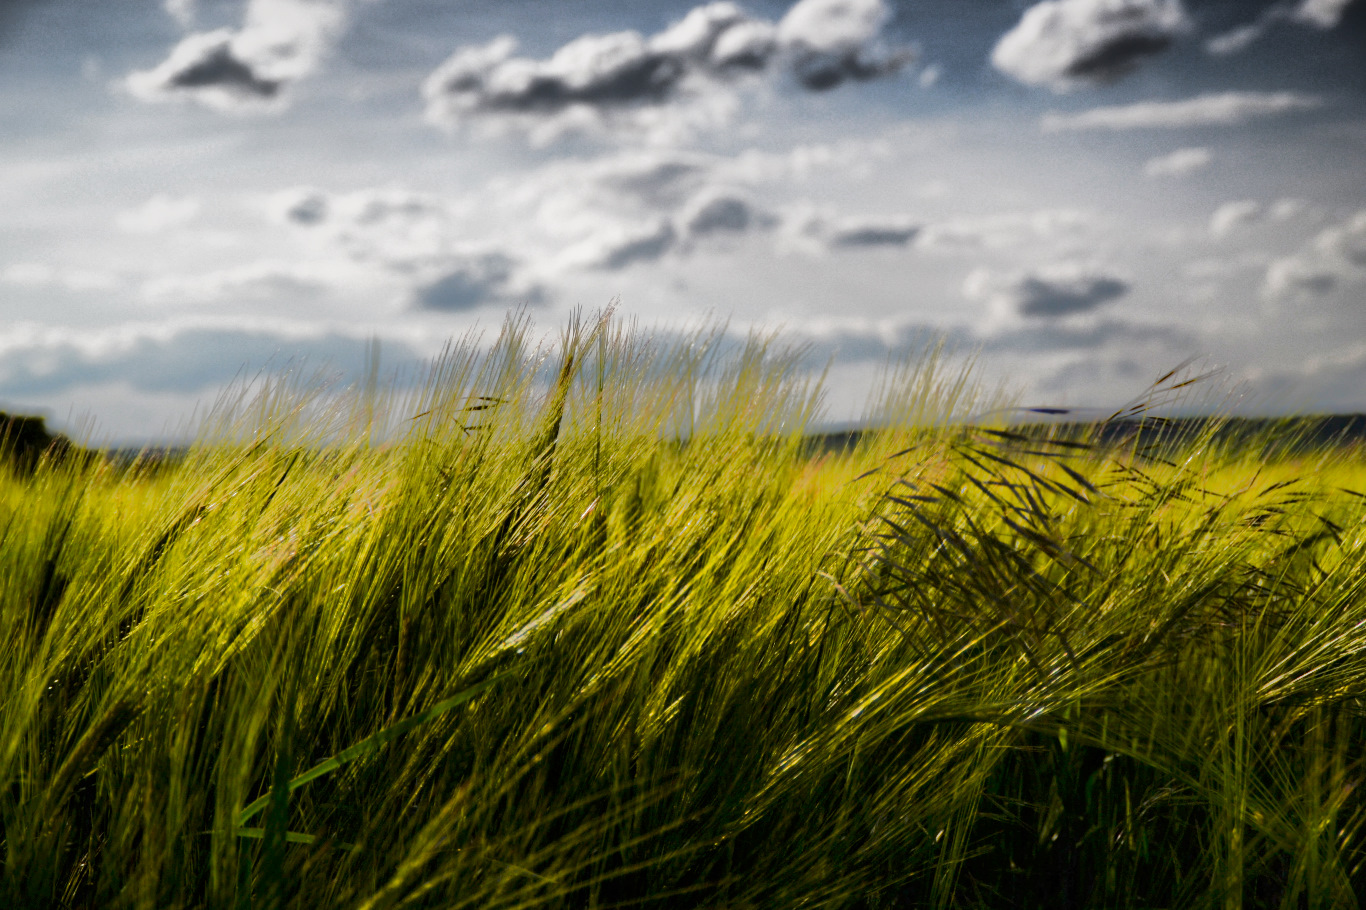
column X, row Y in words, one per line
column 590, row 626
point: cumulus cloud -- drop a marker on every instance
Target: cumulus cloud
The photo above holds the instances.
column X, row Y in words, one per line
column 159, row 213
column 1050, row 292
column 1215, row 109
column 1066, row 43
column 249, row 68
column 1320, row 14
column 418, row 238
column 619, row 79
column 834, row 41
column 1336, row 256
column 1180, row 163
column 1232, row 215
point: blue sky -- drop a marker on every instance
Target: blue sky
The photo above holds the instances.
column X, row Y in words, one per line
column 1085, row 191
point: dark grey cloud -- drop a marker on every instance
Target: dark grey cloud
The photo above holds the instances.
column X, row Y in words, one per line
column 629, row 248
column 1050, row 292
column 722, row 212
column 1067, row 43
column 490, row 279
column 823, row 43
column 853, row 233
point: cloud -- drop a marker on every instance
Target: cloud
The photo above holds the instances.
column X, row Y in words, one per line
column 833, row 41
column 1050, row 292
column 182, row 11
column 39, row 275
column 869, row 232
column 265, row 281
column 1232, row 215
column 1336, row 256
column 616, row 80
column 246, row 69
column 620, row 246
column 1320, row 14
column 1180, row 163
column 159, row 213
column 1066, row 43
column 1216, row 109
column 721, row 211
column 421, row 239
column 474, row 281
column 185, row 358
column 1006, row 230
column 1324, row 14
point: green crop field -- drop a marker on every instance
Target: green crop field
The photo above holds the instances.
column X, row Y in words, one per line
column 594, row 625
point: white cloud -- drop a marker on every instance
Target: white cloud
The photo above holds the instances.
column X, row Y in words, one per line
column 159, row 213
column 663, row 84
column 1219, row 109
column 930, row 76
column 265, row 281
column 1324, row 14
column 1049, row 292
column 185, row 356
column 833, row 41
column 246, row 69
column 39, row 275
column 1180, row 163
column 1232, row 215
column 1007, row 230
column 422, row 241
column 1320, row 14
column 1334, row 257
column 182, row 11
column 1066, row 43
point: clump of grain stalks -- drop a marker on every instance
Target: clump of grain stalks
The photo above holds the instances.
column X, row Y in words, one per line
column 592, row 624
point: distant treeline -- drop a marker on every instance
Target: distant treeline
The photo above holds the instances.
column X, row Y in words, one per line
column 1279, row 436
column 24, row 439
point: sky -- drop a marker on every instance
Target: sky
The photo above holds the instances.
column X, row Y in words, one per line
column 1085, row 193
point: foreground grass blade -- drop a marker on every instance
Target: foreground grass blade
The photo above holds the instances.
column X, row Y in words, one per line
column 373, row 743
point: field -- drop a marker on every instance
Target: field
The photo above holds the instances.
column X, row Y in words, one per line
column 594, row 625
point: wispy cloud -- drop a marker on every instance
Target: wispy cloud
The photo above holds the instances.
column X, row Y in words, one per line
column 1180, row 163
column 1215, row 109
column 1230, row 216
column 1063, row 44
column 160, row 213
column 1320, row 14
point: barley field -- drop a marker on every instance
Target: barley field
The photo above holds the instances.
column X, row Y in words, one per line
column 594, row 624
